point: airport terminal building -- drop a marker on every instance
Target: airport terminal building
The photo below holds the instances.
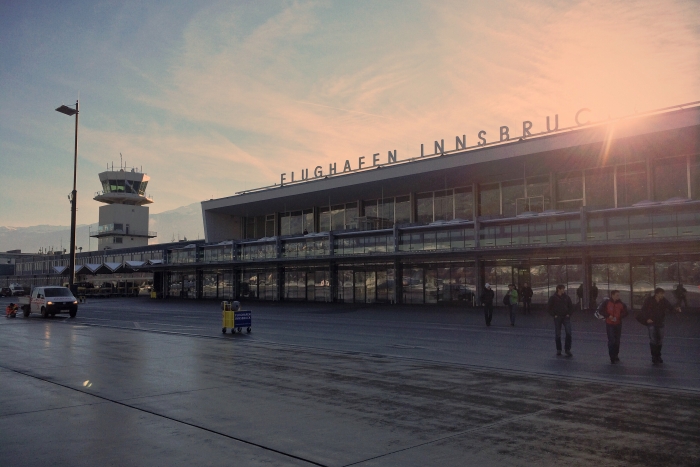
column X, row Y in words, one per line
column 616, row 204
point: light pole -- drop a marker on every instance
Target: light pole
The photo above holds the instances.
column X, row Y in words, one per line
column 64, row 109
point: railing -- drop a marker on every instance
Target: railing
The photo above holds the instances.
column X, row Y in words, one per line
column 118, row 229
column 305, row 248
column 107, row 193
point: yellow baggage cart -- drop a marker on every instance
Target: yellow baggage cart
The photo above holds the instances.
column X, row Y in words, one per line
column 233, row 317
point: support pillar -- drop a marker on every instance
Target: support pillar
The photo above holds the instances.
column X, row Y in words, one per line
column 479, row 283
column 398, row 282
column 333, row 281
column 586, row 266
column 280, row 282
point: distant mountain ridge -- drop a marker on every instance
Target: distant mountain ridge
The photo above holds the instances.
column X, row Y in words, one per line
column 176, row 224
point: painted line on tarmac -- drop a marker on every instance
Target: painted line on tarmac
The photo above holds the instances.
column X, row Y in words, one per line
column 489, row 426
column 138, row 324
column 471, row 366
column 193, row 425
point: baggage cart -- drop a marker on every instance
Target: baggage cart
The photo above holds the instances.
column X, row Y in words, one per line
column 234, row 318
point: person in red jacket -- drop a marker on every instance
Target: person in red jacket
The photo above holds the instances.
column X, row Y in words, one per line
column 613, row 310
column 11, row 310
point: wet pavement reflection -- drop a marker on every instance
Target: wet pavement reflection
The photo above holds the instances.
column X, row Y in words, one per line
column 370, row 386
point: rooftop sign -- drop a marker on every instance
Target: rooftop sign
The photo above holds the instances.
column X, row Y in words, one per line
column 365, row 162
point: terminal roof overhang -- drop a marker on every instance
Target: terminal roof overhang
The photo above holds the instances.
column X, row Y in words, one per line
column 557, row 152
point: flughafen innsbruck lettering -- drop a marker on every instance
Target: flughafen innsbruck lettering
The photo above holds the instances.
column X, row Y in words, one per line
column 364, row 162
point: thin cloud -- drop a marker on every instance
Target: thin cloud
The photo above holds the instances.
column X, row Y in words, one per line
column 343, row 110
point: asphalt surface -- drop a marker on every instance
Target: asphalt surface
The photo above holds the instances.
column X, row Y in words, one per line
column 135, row 381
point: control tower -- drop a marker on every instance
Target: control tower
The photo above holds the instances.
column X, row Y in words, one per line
column 124, row 217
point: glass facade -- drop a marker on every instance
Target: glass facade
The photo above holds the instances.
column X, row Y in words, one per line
column 543, row 275
column 366, row 244
column 675, row 221
column 305, row 248
column 663, row 223
column 182, row 284
column 490, row 200
column 439, row 283
column 670, row 178
column 613, row 186
column 632, row 184
column 600, row 188
column 570, row 191
column 511, row 192
column 366, row 283
column 253, row 251
column 124, row 186
column 533, row 232
column 218, row 253
column 218, row 283
column 183, row 256
column 452, row 239
column 538, row 195
column 259, row 284
column 297, row 223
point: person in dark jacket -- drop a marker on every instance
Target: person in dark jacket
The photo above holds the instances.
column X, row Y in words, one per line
column 653, row 316
column 512, row 301
column 613, row 310
column 593, row 297
column 579, row 296
column 680, row 295
column 487, row 296
column 561, row 308
column 526, row 296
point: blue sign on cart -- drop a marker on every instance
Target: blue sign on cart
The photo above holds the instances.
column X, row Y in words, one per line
column 242, row 319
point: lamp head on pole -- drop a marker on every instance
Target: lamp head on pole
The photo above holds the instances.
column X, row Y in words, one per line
column 64, row 109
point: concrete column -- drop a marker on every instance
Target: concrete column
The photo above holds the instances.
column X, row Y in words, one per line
column 477, row 226
column 650, row 178
column 199, row 283
column 398, row 281
column 586, row 266
column 413, row 207
column 396, row 239
column 280, row 282
column 235, row 284
column 479, row 280
column 333, row 279
column 584, row 224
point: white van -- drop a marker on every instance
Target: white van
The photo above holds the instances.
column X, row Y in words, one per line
column 50, row 300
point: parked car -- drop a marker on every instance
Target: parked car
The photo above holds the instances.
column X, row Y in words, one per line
column 5, row 292
column 17, row 290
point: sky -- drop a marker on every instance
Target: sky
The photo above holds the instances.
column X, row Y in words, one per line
column 211, row 98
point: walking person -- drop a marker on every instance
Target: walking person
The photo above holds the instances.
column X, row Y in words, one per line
column 526, row 296
column 613, row 310
column 680, row 294
column 487, row 296
column 579, row 296
column 653, row 316
column 561, row 308
column 511, row 298
column 593, row 297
